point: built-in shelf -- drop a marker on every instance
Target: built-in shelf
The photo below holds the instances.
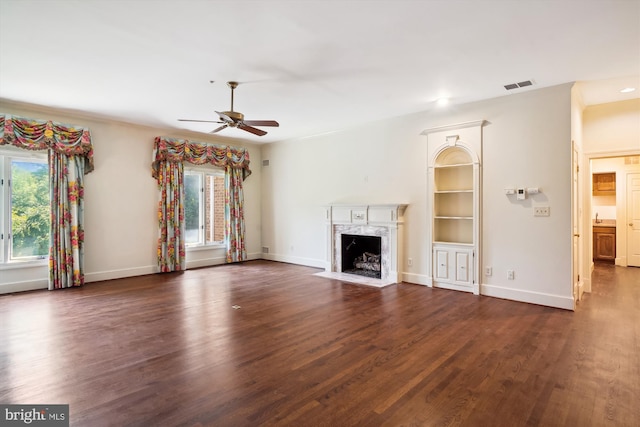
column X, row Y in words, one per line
column 470, row 245
column 457, row 165
column 454, row 217
column 454, row 178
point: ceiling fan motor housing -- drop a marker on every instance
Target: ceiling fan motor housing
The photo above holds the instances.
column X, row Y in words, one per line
column 236, row 116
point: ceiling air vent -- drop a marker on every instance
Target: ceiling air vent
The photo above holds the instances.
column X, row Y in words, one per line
column 517, row 85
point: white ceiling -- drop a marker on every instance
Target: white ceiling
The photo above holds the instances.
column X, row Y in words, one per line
column 315, row 66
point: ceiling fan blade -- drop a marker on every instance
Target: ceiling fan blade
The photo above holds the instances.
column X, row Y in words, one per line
column 261, row 123
column 224, row 117
column 253, row 130
column 219, row 129
column 201, row 121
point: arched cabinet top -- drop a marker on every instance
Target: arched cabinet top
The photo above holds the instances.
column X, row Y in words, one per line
column 451, row 156
column 455, row 144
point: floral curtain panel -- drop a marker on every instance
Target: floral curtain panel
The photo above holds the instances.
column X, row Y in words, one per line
column 235, row 162
column 70, row 158
column 171, row 245
column 66, row 188
column 234, row 215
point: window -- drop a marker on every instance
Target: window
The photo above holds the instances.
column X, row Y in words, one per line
column 204, row 207
column 25, row 215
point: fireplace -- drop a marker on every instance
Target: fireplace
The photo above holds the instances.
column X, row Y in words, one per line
column 361, row 255
column 374, row 258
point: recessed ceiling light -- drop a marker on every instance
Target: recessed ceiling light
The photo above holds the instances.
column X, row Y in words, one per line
column 628, row 89
column 442, row 101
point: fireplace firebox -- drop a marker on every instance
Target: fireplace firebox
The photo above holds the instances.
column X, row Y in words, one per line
column 361, row 255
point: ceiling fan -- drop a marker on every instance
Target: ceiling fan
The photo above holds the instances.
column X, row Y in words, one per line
column 236, row 119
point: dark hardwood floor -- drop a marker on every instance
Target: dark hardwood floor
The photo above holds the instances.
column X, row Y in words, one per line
column 171, row 349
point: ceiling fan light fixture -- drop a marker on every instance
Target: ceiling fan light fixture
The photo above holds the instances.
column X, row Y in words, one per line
column 235, row 119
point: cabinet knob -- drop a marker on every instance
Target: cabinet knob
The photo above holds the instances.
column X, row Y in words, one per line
column 630, row 224
column 576, row 235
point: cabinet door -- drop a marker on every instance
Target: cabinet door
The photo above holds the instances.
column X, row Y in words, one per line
column 441, row 258
column 605, row 246
column 604, row 182
column 463, row 266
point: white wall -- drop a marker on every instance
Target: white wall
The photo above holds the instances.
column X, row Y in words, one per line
column 612, row 127
column 526, row 143
column 121, row 201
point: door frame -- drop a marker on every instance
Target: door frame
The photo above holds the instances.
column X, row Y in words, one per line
column 587, row 229
column 576, row 226
column 628, row 217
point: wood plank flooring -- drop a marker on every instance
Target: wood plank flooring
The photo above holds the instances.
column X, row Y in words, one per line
column 301, row 350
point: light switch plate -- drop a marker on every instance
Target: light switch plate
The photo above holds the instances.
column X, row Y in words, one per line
column 541, row 211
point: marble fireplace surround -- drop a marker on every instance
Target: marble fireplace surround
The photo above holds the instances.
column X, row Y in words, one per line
column 385, row 221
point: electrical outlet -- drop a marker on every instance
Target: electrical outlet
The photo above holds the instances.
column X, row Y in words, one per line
column 541, row 211
column 488, row 271
column 410, row 262
column 511, row 274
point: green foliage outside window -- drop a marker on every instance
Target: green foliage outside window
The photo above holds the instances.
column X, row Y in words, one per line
column 30, row 209
column 192, row 207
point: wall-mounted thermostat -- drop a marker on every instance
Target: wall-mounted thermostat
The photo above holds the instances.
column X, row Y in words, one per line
column 521, row 194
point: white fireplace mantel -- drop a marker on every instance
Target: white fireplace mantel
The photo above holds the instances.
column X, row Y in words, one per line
column 384, row 220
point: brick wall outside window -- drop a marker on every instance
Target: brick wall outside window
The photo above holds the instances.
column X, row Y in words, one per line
column 218, row 195
column 214, row 185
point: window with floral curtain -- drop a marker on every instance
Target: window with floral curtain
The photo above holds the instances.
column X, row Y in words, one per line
column 170, row 154
column 70, row 156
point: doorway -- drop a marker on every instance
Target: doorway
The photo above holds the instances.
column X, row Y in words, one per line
column 633, row 219
column 613, row 231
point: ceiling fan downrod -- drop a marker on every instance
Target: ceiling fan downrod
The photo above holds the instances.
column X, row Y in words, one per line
column 236, row 117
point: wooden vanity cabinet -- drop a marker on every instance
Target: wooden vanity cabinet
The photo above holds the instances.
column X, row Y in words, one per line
column 604, row 244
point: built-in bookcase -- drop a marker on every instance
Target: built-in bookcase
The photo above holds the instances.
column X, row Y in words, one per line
column 454, row 195
column 453, row 200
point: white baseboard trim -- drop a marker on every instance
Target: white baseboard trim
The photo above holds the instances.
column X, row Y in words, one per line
column 206, row 262
column 28, row 285
column 308, row 262
column 549, row 300
column 453, row 287
column 119, row 274
column 621, row 261
column 417, row 279
column 210, row 262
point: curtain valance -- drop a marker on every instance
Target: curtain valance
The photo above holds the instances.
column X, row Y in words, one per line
column 34, row 134
column 176, row 150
